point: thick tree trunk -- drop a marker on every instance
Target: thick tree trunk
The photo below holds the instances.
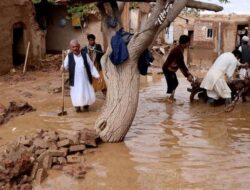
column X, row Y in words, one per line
column 121, row 101
column 123, row 80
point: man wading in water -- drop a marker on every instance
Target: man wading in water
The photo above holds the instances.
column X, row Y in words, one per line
column 95, row 53
column 175, row 61
column 81, row 70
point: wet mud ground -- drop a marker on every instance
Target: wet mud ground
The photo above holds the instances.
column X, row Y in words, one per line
column 169, row 147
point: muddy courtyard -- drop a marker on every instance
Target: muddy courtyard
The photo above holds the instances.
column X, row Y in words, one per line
column 169, row 147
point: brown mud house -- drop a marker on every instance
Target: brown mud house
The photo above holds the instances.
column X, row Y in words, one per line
column 18, row 27
column 44, row 25
column 211, row 35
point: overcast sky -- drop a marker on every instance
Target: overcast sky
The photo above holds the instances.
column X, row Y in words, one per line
column 235, row 6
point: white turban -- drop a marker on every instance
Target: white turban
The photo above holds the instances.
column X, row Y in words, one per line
column 245, row 39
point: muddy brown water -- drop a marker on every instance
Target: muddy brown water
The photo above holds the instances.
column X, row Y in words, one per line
column 169, row 147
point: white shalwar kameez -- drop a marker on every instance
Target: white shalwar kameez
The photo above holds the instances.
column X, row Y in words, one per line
column 214, row 81
column 82, row 93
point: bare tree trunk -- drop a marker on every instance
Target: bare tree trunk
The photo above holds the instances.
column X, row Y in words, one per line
column 121, row 101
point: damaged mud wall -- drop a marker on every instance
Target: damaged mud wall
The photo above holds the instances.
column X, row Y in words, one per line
column 18, row 27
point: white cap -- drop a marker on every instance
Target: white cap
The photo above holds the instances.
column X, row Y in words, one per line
column 245, row 39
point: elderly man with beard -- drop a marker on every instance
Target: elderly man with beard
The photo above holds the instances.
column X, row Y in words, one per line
column 81, row 70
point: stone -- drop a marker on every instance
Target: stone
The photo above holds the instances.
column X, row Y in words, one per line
column 63, row 143
column 40, row 176
column 76, row 148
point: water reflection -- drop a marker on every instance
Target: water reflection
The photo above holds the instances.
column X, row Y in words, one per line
column 194, row 147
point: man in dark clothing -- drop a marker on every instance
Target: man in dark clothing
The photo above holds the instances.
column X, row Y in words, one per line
column 245, row 58
column 175, row 61
column 95, row 53
column 245, row 50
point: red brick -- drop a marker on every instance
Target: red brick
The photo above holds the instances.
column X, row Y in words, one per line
column 47, row 162
column 57, row 153
column 76, row 148
column 74, row 159
column 26, row 186
column 40, row 176
column 65, row 142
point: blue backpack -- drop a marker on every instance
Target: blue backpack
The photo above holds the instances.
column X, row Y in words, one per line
column 119, row 52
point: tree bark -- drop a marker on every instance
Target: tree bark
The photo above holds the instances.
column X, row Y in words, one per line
column 121, row 100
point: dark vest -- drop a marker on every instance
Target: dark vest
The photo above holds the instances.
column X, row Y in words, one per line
column 99, row 53
column 245, row 54
column 72, row 64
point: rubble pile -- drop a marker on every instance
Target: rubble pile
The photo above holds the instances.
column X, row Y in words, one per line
column 14, row 109
column 50, row 63
column 25, row 162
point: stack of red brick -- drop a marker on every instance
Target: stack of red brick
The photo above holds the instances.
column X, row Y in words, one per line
column 27, row 161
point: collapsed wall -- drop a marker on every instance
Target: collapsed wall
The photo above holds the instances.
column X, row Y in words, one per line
column 18, row 27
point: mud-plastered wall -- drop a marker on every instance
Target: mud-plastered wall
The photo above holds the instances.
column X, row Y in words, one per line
column 18, row 27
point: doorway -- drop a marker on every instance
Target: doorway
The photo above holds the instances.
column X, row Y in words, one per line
column 18, row 47
column 242, row 30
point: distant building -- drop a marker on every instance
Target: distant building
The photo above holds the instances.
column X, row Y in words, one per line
column 211, row 35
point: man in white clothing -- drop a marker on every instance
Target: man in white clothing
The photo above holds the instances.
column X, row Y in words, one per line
column 214, row 81
column 81, row 70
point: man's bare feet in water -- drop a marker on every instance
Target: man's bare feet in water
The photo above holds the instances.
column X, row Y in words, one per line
column 230, row 107
column 170, row 100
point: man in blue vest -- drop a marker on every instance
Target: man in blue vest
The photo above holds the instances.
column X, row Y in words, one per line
column 81, row 70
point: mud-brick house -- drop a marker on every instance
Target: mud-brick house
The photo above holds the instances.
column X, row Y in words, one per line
column 211, row 35
column 18, row 27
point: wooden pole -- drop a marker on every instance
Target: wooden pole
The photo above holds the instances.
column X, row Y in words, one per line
column 62, row 83
column 26, row 57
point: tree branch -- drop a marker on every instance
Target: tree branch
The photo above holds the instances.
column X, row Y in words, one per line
column 121, row 6
column 203, row 5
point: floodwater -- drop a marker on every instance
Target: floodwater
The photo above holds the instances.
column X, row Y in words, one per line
column 169, row 147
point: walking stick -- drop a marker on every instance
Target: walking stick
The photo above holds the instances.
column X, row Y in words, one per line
column 62, row 113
